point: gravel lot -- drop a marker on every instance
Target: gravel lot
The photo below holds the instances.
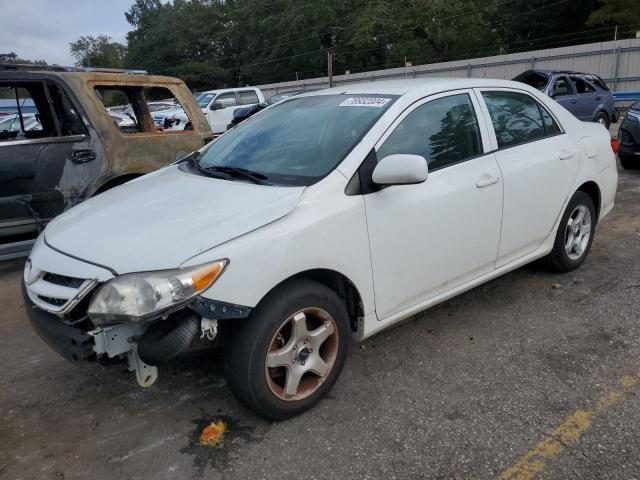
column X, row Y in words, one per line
column 533, row 371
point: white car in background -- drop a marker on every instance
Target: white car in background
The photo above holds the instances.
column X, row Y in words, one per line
column 217, row 105
column 332, row 214
column 11, row 122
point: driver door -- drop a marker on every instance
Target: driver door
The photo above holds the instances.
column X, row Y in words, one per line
column 221, row 112
column 428, row 238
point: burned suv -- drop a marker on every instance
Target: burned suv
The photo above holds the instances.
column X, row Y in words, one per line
column 73, row 133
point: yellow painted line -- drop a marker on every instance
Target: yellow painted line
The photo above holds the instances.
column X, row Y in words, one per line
column 568, row 432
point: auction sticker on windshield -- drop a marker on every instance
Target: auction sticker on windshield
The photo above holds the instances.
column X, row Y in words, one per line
column 365, row 102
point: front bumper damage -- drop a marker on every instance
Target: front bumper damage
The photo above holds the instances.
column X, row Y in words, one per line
column 79, row 346
column 142, row 346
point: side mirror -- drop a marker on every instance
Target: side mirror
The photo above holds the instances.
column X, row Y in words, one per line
column 400, row 169
column 216, row 106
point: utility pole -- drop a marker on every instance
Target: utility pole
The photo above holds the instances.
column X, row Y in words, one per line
column 330, row 67
column 615, row 33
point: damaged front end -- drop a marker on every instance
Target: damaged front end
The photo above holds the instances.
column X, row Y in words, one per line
column 144, row 320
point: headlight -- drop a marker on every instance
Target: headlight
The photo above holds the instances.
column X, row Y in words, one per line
column 137, row 296
column 632, row 116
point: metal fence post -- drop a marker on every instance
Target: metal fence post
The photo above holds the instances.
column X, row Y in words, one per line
column 616, row 65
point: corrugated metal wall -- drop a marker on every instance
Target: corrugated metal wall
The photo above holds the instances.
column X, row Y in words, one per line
column 617, row 62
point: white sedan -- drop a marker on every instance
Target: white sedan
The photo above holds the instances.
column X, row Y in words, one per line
column 333, row 214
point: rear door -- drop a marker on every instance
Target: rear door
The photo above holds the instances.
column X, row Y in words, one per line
column 587, row 98
column 45, row 168
column 538, row 162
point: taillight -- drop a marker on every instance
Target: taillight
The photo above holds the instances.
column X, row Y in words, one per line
column 615, row 145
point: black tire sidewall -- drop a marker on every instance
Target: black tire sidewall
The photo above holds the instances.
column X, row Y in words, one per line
column 607, row 123
column 245, row 355
column 559, row 255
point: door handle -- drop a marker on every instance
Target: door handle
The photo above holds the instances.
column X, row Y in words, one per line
column 83, row 156
column 487, row 181
column 598, row 99
column 574, row 101
column 566, row 155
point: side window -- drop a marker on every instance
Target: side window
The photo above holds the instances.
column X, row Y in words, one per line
column 124, row 106
column 166, row 112
column 226, row 100
column 518, row 118
column 28, row 113
column 550, row 125
column 582, row 86
column 444, row 131
column 248, row 97
column 68, row 117
column 561, row 87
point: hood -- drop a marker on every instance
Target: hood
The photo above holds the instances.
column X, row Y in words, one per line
column 160, row 220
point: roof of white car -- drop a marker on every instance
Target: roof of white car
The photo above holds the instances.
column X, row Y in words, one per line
column 222, row 90
column 422, row 85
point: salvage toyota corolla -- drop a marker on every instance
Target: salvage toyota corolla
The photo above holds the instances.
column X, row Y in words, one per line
column 329, row 215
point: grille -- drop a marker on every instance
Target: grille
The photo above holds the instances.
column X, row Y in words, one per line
column 71, row 282
column 57, row 293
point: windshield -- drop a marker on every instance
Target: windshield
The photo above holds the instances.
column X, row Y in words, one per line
column 537, row 80
column 299, row 141
column 204, row 99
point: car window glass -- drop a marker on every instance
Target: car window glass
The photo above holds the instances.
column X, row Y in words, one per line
column 68, row 117
column 444, row 131
column 312, row 137
column 561, row 87
column 582, row 86
column 166, row 111
column 551, row 127
column 516, row 117
column 226, row 99
column 248, row 97
column 123, row 103
column 28, row 112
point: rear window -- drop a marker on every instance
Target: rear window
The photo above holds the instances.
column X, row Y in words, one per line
column 248, row 97
column 135, row 109
column 537, row 80
column 598, row 81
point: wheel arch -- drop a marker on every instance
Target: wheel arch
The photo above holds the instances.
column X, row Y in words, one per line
column 592, row 189
column 337, row 282
column 115, row 181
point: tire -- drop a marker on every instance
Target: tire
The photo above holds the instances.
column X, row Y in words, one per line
column 270, row 331
column 602, row 118
column 628, row 163
column 568, row 254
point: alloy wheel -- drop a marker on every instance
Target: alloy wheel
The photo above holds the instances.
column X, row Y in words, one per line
column 301, row 354
column 578, row 232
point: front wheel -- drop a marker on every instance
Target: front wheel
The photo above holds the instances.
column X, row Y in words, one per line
column 288, row 354
column 575, row 234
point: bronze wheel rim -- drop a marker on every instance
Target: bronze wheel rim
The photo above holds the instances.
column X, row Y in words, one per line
column 301, row 354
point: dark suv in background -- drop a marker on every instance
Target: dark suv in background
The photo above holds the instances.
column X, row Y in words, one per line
column 583, row 94
column 629, row 138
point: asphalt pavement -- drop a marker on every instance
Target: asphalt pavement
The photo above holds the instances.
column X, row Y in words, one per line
column 533, row 375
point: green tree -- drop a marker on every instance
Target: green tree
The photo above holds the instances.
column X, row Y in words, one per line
column 99, row 51
column 12, row 57
column 616, row 12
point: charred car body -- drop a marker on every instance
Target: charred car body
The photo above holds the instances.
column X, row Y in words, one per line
column 78, row 150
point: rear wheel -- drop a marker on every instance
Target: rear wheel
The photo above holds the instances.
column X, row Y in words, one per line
column 575, row 234
column 288, row 354
column 603, row 119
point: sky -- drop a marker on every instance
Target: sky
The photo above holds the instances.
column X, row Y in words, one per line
column 43, row 29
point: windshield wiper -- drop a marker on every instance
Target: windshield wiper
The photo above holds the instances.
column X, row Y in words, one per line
column 245, row 173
